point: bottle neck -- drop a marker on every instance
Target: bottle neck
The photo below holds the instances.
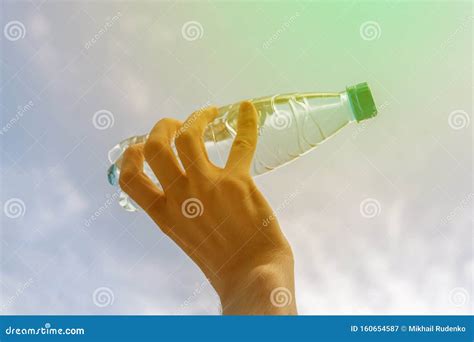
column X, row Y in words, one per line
column 346, row 104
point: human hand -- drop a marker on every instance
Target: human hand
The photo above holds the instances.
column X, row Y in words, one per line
column 214, row 214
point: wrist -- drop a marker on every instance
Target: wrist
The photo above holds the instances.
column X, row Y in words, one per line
column 266, row 287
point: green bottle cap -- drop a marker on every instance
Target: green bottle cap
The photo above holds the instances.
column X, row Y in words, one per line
column 362, row 102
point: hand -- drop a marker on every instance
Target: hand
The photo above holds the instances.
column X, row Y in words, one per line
column 215, row 214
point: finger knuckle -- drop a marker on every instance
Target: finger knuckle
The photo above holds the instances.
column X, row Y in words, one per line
column 212, row 110
column 204, row 110
column 153, row 147
column 126, row 179
column 165, row 122
column 185, row 138
column 233, row 184
column 131, row 152
column 242, row 143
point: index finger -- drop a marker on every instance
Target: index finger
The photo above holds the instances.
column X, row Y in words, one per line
column 136, row 183
column 189, row 140
column 245, row 142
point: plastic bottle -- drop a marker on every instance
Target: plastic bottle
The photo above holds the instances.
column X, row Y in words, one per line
column 289, row 126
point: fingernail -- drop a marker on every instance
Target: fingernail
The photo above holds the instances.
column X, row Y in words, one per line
column 246, row 106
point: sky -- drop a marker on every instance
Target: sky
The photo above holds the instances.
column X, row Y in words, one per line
column 379, row 217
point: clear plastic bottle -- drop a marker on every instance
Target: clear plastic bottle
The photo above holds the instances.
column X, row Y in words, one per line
column 289, row 125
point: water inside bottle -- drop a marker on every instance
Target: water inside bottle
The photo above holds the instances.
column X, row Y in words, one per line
column 288, row 126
